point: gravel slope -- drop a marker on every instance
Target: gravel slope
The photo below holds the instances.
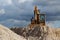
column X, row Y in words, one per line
column 7, row 34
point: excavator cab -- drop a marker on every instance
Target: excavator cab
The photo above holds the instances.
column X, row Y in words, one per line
column 42, row 19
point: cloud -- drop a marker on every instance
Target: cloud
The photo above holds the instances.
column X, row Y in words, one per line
column 48, row 5
column 5, row 2
column 23, row 9
column 53, row 18
column 22, row 1
column 2, row 11
column 55, row 24
column 14, row 23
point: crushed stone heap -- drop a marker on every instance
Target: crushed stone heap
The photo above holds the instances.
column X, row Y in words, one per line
column 7, row 34
column 40, row 33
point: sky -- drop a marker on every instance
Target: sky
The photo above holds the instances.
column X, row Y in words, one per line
column 19, row 12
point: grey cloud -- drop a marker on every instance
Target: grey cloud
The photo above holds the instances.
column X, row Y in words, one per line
column 48, row 5
column 24, row 11
column 14, row 23
column 53, row 18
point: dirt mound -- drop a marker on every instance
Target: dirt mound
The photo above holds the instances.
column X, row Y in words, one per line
column 7, row 34
column 38, row 32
